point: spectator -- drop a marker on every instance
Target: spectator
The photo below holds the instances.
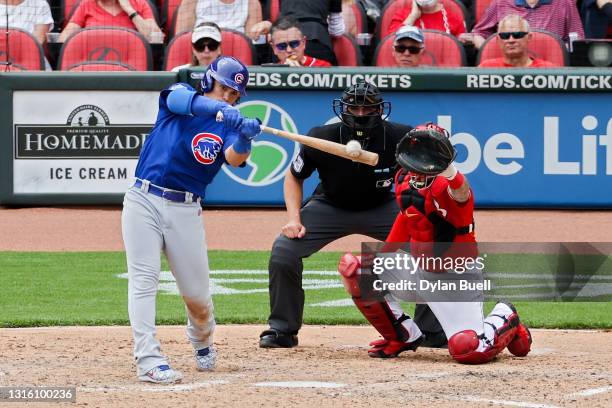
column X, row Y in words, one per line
column 289, row 45
column 205, row 45
column 430, row 15
column 596, row 17
column 239, row 15
column 514, row 37
column 317, row 19
column 408, row 47
column 557, row 16
column 33, row 16
column 350, row 22
column 133, row 14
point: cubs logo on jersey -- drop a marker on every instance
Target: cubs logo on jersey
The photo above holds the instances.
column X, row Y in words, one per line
column 206, row 147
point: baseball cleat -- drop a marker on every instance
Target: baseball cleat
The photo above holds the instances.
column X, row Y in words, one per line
column 162, row 374
column 392, row 348
column 274, row 339
column 206, row 359
column 520, row 345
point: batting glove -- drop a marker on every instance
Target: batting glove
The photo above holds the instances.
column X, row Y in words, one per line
column 250, row 128
column 231, row 117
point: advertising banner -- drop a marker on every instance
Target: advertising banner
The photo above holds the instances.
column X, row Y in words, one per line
column 519, row 149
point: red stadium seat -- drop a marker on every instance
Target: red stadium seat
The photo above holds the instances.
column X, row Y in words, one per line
column 169, row 15
column 21, row 50
column 361, row 20
column 347, row 51
column 89, row 66
column 234, row 44
column 479, row 8
column 106, row 44
column 544, row 44
column 382, row 30
column 441, row 50
column 273, row 10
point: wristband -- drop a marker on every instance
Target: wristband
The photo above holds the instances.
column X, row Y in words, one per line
column 457, row 181
column 131, row 16
column 242, row 145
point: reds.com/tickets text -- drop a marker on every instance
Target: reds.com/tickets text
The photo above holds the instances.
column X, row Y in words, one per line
column 396, row 81
column 493, row 81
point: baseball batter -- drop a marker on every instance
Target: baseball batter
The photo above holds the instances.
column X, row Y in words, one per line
column 161, row 211
column 436, row 205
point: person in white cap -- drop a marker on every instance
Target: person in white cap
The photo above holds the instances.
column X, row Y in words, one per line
column 408, row 47
column 205, row 45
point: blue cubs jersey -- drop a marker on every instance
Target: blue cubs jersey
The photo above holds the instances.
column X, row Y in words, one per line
column 183, row 152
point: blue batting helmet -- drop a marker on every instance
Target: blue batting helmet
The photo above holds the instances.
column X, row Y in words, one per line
column 228, row 71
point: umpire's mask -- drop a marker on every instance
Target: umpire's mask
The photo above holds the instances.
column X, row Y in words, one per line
column 361, row 109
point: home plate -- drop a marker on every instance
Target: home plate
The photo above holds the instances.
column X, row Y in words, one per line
column 299, row 384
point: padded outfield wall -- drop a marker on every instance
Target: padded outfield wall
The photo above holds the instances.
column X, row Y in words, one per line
column 537, row 138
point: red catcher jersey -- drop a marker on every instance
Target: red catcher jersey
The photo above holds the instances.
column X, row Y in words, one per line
column 430, row 214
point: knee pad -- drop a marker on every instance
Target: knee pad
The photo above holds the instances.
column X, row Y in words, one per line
column 462, row 347
column 376, row 311
column 349, row 270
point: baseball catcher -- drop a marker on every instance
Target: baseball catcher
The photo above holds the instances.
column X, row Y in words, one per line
column 436, row 206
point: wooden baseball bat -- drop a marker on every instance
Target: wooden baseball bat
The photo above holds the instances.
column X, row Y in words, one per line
column 337, row 149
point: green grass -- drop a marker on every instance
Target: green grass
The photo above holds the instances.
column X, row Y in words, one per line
column 54, row 289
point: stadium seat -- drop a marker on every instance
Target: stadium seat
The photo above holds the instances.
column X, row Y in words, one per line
column 347, row 51
column 21, row 50
column 234, row 44
column 106, row 44
column 169, row 15
column 88, row 66
column 543, row 44
column 441, row 50
column 382, row 30
column 479, row 8
column 273, row 9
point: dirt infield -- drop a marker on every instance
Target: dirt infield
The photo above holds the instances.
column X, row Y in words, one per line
column 99, row 229
column 330, row 368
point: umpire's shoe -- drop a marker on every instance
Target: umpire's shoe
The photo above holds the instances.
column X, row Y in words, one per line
column 273, row 338
column 434, row 340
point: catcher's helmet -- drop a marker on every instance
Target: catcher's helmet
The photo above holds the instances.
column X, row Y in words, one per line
column 425, row 152
column 228, row 71
column 361, row 95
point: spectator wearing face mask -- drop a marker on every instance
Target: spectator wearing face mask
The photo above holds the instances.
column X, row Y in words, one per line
column 428, row 15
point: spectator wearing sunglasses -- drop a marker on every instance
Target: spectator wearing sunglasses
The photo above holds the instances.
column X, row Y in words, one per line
column 205, row 45
column 289, row 44
column 557, row 16
column 514, row 37
column 408, row 47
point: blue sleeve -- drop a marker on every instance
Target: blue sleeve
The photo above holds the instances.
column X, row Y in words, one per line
column 172, row 104
column 203, row 106
column 179, row 101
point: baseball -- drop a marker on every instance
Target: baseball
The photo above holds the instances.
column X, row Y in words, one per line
column 353, row 148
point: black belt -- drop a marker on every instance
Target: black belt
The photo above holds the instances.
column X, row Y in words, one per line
column 170, row 195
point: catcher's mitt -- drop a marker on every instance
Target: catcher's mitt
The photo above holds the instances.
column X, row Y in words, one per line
column 425, row 150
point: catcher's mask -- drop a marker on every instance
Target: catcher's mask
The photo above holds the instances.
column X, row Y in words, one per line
column 361, row 108
column 422, row 158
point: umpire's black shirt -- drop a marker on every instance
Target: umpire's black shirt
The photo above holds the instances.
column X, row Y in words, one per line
column 347, row 184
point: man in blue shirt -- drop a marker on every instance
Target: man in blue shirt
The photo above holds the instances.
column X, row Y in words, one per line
column 194, row 135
